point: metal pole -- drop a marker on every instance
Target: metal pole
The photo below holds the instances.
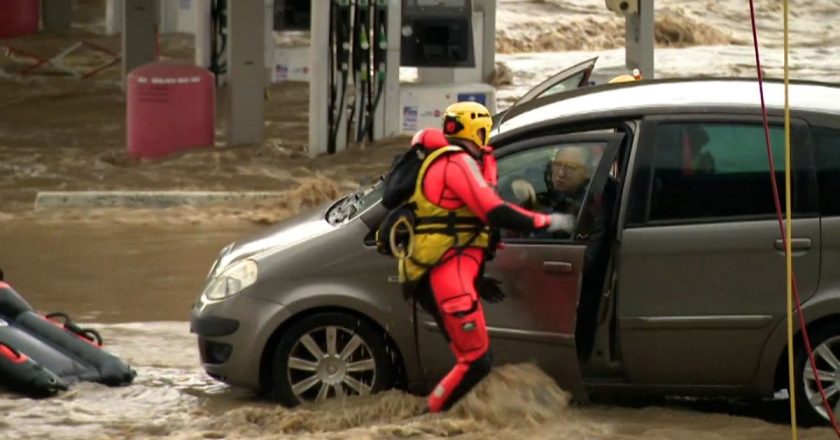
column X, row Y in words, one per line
column 391, row 101
column 203, row 39
column 319, row 77
column 268, row 39
column 246, row 77
column 139, row 39
column 639, row 39
column 113, row 16
column 57, row 14
column 168, row 17
column 488, row 56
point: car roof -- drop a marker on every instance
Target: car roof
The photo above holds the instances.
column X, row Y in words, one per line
column 648, row 96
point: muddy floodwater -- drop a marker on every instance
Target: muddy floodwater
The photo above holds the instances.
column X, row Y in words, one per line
column 135, row 281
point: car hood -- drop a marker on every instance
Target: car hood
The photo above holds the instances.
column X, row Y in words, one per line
column 281, row 236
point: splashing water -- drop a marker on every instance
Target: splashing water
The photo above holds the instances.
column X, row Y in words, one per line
column 512, row 400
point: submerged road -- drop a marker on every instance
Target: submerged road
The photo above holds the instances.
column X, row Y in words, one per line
column 135, row 282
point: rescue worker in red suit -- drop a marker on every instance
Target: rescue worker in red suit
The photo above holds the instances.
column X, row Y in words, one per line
column 456, row 206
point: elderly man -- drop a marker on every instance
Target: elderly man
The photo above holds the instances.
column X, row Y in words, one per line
column 566, row 178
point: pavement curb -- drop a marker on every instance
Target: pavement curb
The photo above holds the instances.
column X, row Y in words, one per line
column 146, row 199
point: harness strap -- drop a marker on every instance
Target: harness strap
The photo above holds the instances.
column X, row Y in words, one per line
column 447, row 231
column 459, row 249
column 449, row 219
column 450, row 224
column 416, row 333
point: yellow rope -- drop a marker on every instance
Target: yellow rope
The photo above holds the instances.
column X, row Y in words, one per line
column 789, row 235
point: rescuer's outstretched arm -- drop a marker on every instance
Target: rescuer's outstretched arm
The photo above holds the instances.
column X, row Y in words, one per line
column 463, row 178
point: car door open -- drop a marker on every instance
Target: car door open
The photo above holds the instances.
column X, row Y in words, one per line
column 540, row 273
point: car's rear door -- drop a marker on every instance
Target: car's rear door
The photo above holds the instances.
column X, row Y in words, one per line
column 541, row 273
column 702, row 267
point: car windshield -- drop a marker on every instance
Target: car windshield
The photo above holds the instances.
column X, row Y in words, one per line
column 350, row 206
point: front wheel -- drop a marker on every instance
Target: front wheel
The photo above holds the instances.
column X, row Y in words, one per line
column 825, row 342
column 330, row 355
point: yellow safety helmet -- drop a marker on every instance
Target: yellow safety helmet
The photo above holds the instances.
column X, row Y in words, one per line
column 636, row 76
column 468, row 120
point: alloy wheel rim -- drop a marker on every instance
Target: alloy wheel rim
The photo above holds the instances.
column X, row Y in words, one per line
column 827, row 358
column 329, row 362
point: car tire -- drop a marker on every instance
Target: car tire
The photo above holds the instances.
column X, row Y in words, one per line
column 306, row 368
column 825, row 341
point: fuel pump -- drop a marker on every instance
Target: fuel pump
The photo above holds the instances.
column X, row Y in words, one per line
column 357, row 48
column 361, row 65
column 379, row 66
column 445, row 41
column 219, row 38
column 340, row 51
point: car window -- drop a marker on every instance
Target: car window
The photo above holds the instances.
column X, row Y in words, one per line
column 711, row 171
column 571, row 83
column 827, row 160
column 551, row 178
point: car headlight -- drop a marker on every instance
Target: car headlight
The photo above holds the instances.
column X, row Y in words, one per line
column 232, row 280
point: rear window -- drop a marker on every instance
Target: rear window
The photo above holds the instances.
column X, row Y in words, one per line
column 827, row 160
column 715, row 171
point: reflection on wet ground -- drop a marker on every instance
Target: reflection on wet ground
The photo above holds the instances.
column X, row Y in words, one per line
column 135, row 282
column 108, row 271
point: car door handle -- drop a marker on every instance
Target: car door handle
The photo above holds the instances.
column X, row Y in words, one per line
column 557, row 267
column 796, row 244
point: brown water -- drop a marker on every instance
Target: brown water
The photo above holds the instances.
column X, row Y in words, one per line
column 134, row 280
column 118, row 272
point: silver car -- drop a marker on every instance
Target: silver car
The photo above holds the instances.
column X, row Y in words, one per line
column 689, row 293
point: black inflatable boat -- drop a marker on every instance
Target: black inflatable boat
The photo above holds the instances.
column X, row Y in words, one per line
column 42, row 355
